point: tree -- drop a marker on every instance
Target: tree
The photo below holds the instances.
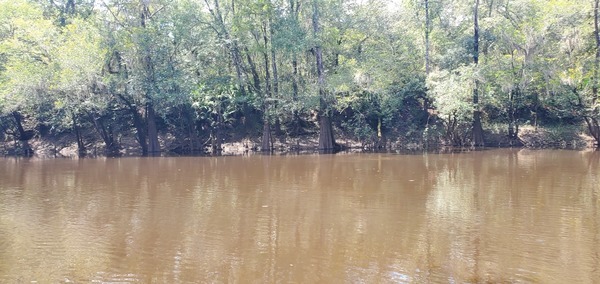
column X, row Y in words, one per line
column 592, row 121
column 27, row 67
column 144, row 41
column 326, row 138
column 77, row 91
column 453, row 104
column 477, row 128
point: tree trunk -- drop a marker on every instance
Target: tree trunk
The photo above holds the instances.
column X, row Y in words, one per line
column 594, row 128
column 477, row 128
column 427, row 32
column 266, row 144
column 138, row 123
column 426, row 100
column 273, row 61
column 266, row 139
column 513, row 126
column 80, row 145
column 23, row 136
column 216, row 132
column 106, row 133
column 597, row 55
column 275, row 83
column 153, row 145
column 326, row 139
column 255, row 77
column 230, row 43
column 592, row 122
column 296, row 125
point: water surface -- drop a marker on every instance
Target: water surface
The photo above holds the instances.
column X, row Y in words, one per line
column 488, row 216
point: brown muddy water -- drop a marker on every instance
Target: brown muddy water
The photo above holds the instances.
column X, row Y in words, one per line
column 488, row 216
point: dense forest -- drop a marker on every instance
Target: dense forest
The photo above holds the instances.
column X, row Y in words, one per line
column 186, row 75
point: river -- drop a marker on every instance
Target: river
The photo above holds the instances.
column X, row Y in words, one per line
column 506, row 215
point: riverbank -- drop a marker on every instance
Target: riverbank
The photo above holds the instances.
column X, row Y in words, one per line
column 64, row 145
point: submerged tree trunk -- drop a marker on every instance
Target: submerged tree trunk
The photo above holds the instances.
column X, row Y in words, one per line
column 326, row 138
column 477, row 128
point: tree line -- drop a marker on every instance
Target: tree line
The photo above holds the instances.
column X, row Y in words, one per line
column 202, row 71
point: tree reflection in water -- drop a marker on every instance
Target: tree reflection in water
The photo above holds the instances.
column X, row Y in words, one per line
column 486, row 216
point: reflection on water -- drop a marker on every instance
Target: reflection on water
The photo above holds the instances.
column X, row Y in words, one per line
column 491, row 216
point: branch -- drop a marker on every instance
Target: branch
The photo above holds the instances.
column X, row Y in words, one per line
column 113, row 14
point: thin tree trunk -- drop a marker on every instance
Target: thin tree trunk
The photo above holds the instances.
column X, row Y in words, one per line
column 426, row 103
column 296, row 124
column 273, row 62
column 255, row 77
column 477, row 128
column 592, row 122
column 106, row 133
column 216, row 132
column 80, row 145
column 231, row 45
column 597, row 55
column 296, row 117
column 275, row 82
column 237, row 61
column 511, row 114
column 153, row 145
column 138, row 124
column 427, row 32
column 326, row 138
column 266, row 139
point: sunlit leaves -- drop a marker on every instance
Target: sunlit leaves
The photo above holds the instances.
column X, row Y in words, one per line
column 26, row 46
column 452, row 92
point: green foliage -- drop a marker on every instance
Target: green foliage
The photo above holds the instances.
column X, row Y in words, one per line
column 80, row 58
column 452, row 92
column 26, row 47
column 226, row 62
column 217, row 102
